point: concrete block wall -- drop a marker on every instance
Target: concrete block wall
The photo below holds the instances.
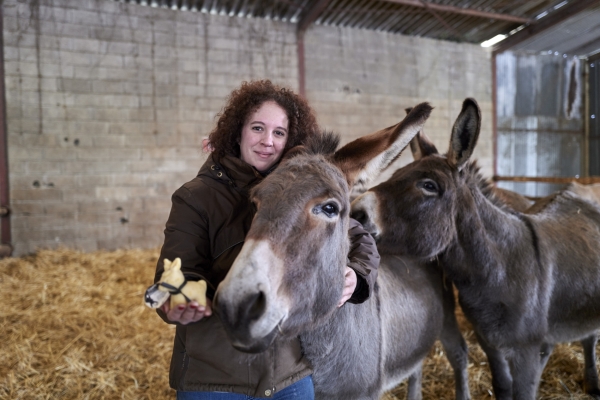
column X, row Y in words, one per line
column 108, row 102
column 361, row 81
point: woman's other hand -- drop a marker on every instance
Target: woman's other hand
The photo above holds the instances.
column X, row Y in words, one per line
column 186, row 314
column 350, row 281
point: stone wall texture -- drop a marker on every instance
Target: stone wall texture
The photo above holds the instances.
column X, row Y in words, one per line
column 107, row 104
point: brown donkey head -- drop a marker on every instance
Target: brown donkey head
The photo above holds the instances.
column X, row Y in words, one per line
column 413, row 213
column 289, row 274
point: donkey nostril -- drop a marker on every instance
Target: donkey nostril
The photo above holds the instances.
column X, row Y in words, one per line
column 256, row 305
column 360, row 216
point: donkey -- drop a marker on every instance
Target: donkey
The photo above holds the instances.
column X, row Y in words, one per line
column 525, row 280
column 289, row 276
column 421, row 145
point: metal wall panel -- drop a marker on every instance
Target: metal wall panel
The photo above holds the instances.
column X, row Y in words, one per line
column 540, row 131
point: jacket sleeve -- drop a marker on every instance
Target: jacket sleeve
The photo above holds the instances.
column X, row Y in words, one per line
column 186, row 237
column 363, row 258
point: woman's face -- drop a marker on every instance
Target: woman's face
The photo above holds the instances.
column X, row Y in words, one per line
column 264, row 136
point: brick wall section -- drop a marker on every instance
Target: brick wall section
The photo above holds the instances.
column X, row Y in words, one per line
column 108, row 102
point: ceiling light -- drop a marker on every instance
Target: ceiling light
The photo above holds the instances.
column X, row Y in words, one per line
column 493, row 41
column 559, row 5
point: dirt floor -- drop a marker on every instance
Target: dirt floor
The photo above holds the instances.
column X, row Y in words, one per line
column 74, row 327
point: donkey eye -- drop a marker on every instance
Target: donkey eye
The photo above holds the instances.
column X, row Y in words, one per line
column 329, row 209
column 428, row 187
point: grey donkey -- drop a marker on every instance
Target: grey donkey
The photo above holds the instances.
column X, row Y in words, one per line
column 289, row 276
column 526, row 281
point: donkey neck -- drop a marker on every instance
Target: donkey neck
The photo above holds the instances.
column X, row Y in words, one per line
column 487, row 233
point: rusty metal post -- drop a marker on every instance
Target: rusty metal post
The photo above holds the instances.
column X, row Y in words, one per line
column 494, row 116
column 585, row 160
column 301, row 64
column 310, row 16
column 5, row 234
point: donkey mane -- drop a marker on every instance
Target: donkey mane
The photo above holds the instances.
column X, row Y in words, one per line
column 486, row 186
column 324, row 143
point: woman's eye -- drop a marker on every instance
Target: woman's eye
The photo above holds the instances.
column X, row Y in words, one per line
column 280, row 133
column 257, row 128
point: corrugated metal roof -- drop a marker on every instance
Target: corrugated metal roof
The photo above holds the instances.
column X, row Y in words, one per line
column 577, row 35
column 472, row 21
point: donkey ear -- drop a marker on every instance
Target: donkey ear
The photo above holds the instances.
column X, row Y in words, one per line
column 421, row 146
column 465, row 133
column 364, row 158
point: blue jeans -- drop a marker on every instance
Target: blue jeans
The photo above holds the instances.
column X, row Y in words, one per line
column 301, row 390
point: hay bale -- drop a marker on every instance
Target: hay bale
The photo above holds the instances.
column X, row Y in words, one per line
column 74, row 326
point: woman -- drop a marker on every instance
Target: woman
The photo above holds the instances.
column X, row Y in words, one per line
column 209, row 219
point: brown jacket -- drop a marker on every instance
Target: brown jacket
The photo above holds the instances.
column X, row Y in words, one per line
column 209, row 219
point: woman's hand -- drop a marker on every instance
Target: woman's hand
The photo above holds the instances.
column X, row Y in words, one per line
column 185, row 314
column 349, row 285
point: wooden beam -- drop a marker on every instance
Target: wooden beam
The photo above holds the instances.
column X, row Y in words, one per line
column 460, row 10
column 536, row 27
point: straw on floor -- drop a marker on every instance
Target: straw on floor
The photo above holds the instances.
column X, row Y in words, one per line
column 74, row 327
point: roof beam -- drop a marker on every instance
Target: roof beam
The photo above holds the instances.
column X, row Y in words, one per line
column 460, row 10
column 312, row 14
column 442, row 20
column 554, row 18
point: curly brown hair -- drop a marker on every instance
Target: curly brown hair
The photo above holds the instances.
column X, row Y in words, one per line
column 225, row 137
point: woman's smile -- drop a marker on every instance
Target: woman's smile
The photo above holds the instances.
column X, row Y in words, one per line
column 264, row 136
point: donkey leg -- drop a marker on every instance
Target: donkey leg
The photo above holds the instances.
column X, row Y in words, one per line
column 526, row 370
column 414, row 391
column 590, row 376
column 502, row 382
column 455, row 346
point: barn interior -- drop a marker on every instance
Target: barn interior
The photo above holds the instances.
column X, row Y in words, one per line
column 105, row 104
